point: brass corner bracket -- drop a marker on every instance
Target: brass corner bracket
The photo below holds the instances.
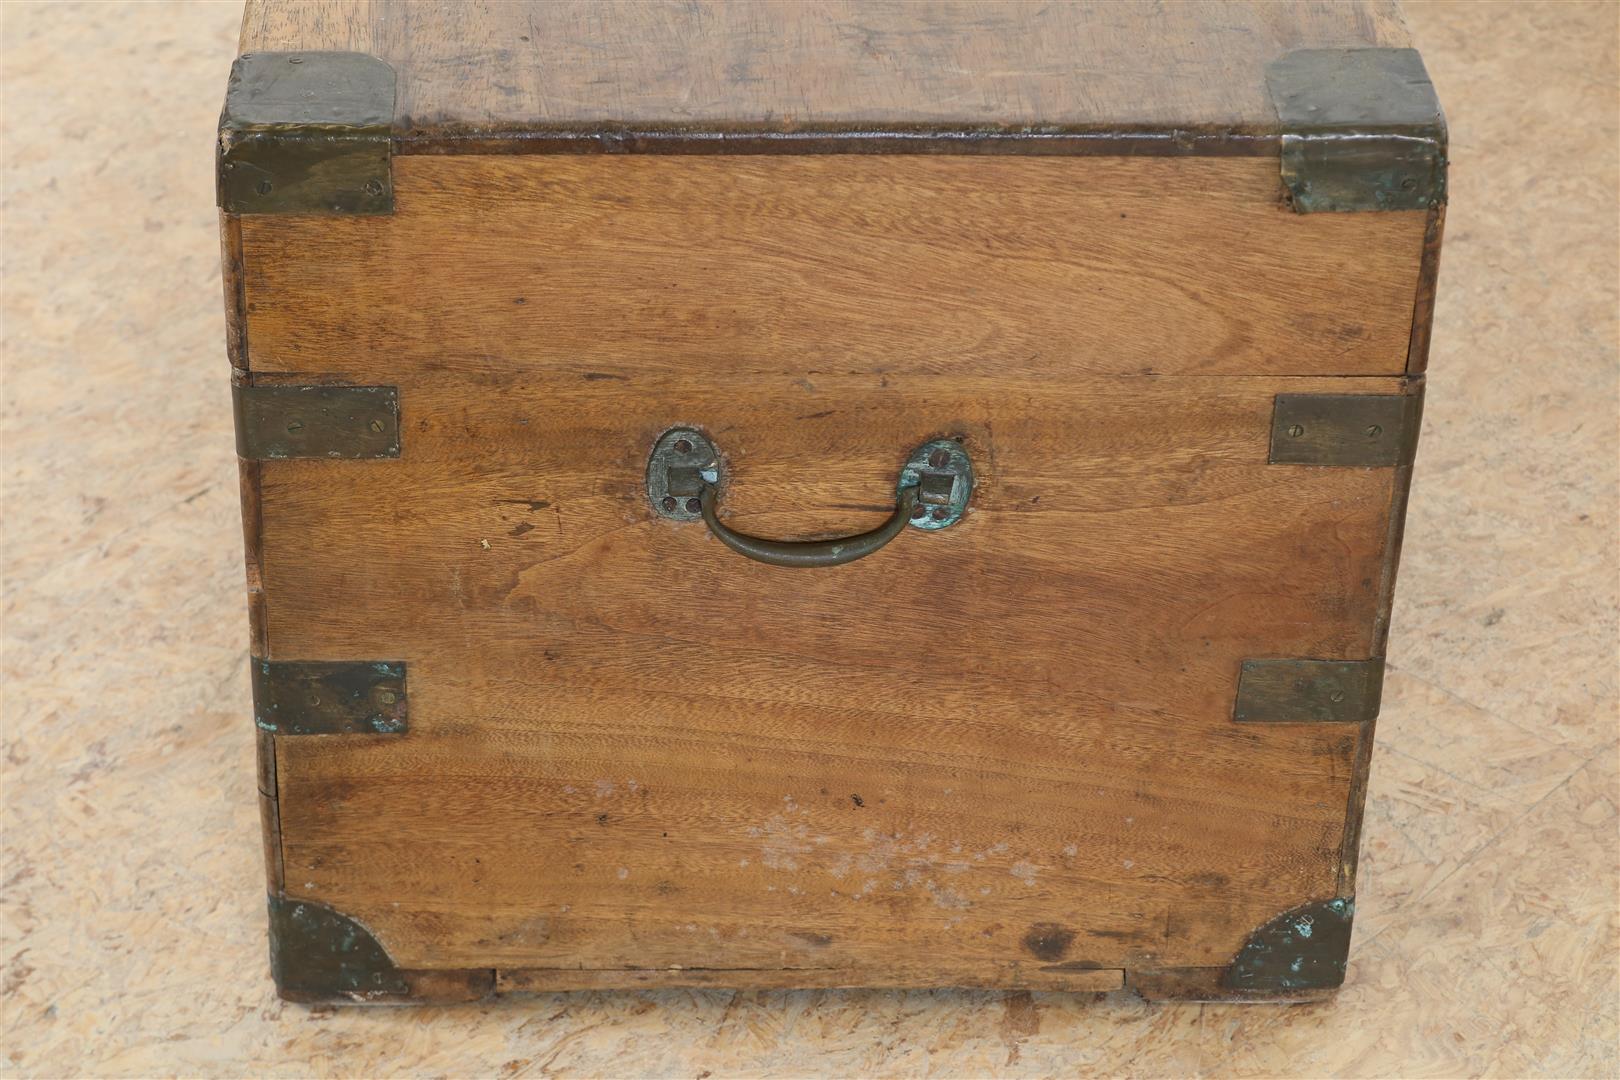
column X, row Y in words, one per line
column 1305, row 948
column 1361, row 130
column 316, row 954
column 307, row 133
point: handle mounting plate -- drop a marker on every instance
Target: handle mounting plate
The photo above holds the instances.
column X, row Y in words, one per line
column 682, row 461
column 943, row 476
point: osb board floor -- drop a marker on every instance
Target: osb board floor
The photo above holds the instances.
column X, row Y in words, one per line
column 133, row 940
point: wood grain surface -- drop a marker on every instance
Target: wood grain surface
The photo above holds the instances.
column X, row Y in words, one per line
column 470, row 69
column 632, row 749
column 987, row 266
column 1000, row 755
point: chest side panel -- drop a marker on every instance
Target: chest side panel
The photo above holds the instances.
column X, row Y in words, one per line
column 1000, row 754
column 989, row 266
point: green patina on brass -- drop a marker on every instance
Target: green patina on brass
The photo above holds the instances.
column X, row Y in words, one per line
column 317, row 954
column 1361, row 130
column 681, row 463
column 1308, row 691
column 942, row 473
column 312, row 697
column 1302, row 949
column 307, row 133
column 1359, row 430
column 317, row 421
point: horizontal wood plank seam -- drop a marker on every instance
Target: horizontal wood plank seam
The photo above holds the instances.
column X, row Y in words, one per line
column 712, row 141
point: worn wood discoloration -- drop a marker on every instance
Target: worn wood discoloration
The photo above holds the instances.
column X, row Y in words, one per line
column 252, row 537
column 1417, row 356
column 1000, row 976
column 230, row 265
column 1207, row 984
column 270, row 834
column 782, row 66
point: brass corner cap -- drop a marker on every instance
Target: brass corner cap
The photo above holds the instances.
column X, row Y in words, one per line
column 307, row 133
column 1361, row 130
column 317, row 954
column 1304, row 948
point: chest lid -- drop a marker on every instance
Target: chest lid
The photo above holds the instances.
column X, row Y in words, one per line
column 716, row 77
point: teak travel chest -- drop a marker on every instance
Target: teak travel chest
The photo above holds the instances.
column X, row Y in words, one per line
column 822, row 494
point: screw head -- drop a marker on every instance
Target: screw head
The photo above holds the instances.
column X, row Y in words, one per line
column 940, row 513
column 1336, row 697
column 295, row 59
column 939, row 458
column 668, row 503
column 295, row 427
column 1373, row 431
column 374, row 187
column 262, row 187
column 694, row 506
column 375, row 425
column 683, row 446
column 1295, row 430
column 387, row 697
column 918, row 512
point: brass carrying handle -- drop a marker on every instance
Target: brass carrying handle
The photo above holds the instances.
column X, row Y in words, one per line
column 845, row 549
column 684, row 479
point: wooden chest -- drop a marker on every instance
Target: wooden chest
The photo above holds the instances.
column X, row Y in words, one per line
column 1070, row 359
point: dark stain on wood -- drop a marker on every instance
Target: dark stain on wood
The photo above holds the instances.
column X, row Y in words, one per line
column 1048, row 941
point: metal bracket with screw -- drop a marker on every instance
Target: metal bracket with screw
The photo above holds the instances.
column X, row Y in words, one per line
column 1365, row 430
column 316, row 421
column 311, row 697
column 1292, row 691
